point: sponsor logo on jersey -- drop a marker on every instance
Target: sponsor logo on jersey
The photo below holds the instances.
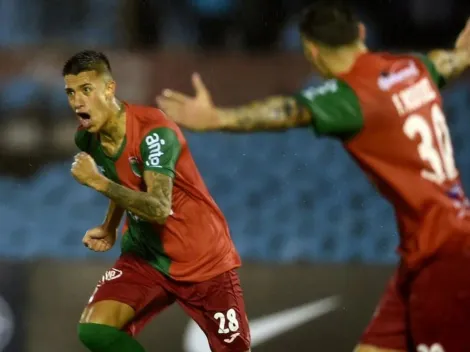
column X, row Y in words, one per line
column 135, row 167
column 154, row 144
column 329, row 86
column 397, row 75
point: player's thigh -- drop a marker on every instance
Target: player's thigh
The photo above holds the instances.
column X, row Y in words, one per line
column 217, row 306
column 388, row 328
column 127, row 296
column 440, row 306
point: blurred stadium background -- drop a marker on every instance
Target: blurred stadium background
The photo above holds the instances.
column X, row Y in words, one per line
column 303, row 217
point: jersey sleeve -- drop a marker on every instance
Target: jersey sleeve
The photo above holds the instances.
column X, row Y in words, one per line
column 435, row 75
column 160, row 150
column 83, row 140
column 335, row 109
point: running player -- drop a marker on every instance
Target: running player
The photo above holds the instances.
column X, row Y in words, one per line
column 176, row 245
column 387, row 111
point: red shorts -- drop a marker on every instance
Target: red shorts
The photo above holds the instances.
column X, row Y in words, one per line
column 388, row 328
column 433, row 317
column 216, row 305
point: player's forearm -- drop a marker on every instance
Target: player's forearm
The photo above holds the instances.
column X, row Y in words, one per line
column 113, row 216
column 450, row 63
column 275, row 113
column 144, row 205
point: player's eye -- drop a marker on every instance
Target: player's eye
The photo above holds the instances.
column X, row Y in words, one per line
column 87, row 90
column 70, row 93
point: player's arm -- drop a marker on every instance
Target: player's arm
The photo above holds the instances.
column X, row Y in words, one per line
column 331, row 108
column 451, row 63
column 200, row 114
column 154, row 205
column 273, row 113
column 113, row 216
column 115, row 212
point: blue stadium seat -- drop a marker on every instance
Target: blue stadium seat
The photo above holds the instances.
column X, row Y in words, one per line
column 15, row 93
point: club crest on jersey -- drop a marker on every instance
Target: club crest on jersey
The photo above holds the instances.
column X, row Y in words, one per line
column 135, row 167
column 154, row 143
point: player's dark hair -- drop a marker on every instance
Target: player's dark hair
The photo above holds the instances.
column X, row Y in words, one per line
column 331, row 23
column 87, row 60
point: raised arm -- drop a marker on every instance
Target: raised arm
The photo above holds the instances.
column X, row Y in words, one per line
column 451, row 63
column 200, row 114
column 273, row 113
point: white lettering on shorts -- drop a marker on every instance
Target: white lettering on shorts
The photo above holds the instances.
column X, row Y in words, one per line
column 109, row 275
column 228, row 323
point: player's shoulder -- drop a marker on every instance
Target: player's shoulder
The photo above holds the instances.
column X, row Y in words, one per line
column 150, row 123
column 149, row 117
column 144, row 114
column 402, row 59
column 325, row 89
column 327, row 92
column 410, row 65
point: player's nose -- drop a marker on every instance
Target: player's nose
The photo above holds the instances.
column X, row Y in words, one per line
column 79, row 102
column 79, row 107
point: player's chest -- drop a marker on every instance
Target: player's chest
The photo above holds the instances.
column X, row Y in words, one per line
column 125, row 167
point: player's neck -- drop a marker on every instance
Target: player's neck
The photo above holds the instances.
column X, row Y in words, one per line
column 114, row 130
column 342, row 60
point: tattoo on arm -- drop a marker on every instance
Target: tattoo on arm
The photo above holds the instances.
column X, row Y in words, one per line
column 450, row 64
column 153, row 205
column 274, row 113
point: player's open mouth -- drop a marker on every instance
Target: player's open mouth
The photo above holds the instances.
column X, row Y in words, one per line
column 83, row 115
column 85, row 119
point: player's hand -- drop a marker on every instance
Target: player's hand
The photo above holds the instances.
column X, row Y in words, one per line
column 463, row 40
column 84, row 169
column 196, row 113
column 99, row 239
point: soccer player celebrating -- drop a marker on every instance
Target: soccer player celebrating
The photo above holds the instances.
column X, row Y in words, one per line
column 387, row 111
column 176, row 245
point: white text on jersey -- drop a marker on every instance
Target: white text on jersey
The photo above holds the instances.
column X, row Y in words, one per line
column 412, row 98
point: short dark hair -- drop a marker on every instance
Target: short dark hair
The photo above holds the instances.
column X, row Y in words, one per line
column 87, row 60
column 331, row 23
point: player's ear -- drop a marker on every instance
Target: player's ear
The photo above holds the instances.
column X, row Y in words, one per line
column 110, row 89
column 310, row 49
column 362, row 31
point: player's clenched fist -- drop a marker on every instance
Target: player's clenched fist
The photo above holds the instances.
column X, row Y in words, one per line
column 99, row 239
column 84, row 169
